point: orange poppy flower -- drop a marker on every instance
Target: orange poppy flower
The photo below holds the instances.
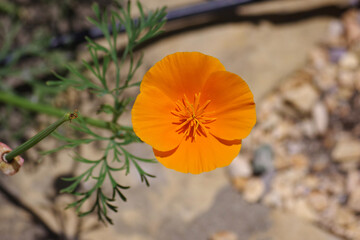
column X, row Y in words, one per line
column 193, row 112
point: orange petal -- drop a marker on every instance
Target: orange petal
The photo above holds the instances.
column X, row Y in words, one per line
column 203, row 155
column 152, row 120
column 181, row 73
column 232, row 105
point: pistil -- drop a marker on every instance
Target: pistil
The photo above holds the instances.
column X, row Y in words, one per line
column 193, row 118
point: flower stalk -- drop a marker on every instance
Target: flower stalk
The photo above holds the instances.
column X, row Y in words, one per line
column 38, row 137
column 23, row 103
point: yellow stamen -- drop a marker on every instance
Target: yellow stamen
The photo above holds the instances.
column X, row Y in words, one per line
column 192, row 117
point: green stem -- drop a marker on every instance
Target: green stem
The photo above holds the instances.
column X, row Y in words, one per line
column 38, row 137
column 49, row 110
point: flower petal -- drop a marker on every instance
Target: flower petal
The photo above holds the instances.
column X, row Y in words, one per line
column 152, row 120
column 232, row 105
column 203, row 155
column 181, row 73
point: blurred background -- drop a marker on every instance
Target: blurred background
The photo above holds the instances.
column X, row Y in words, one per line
column 297, row 176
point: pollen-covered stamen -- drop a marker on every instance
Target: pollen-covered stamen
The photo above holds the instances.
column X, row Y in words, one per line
column 192, row 117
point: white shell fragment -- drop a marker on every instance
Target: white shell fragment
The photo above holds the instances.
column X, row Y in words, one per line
column 12, row 167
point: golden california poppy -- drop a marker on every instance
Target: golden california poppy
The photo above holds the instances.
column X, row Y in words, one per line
column 193, row 112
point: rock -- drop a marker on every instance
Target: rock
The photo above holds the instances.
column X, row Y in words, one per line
column 302, row 97
column 224, row 235
column 311, row 182
column 332, row 184
column 321, row 117
column 319, row 58
column 352, row 181
column 282, row 130
column 331, row 137
column 354, row 199
column 300, row 190
column 268, row 107
column 263, row 159
column 346, row 79
column 239, row 183
column 331, row 102
column 287, row 111
column 326, row 78
column 356, row 103
column 271, row 122
column 346, row 150
column 352, row 28
column 300, row 161
column 320, row 162
column 302, row 209
column 348, row 166
column 349, row 61
column 335, row 31
column 313, row 146
column 357, row 80
column 353, row 231
column 344, row 94
column 308, row 128
column 240, row 167
column 254, row 189
column 336, row 53
column 344, row 216
column 284, row 182
column 356, row 130
column 272, row 199
column 343, row 112
column 281, row 162
column 318, row 201
column 295, row 147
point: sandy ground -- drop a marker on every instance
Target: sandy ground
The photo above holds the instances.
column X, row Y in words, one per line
column 179, row 206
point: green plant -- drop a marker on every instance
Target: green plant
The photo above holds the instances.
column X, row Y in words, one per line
column 115, row 157
column 146, row 27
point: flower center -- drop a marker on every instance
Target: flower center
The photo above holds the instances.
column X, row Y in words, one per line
column 192, row 117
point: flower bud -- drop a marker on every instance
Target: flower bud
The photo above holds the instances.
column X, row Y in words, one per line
column 9, row 168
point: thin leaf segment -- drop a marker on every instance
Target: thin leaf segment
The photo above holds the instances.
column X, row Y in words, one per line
column 115, row 154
